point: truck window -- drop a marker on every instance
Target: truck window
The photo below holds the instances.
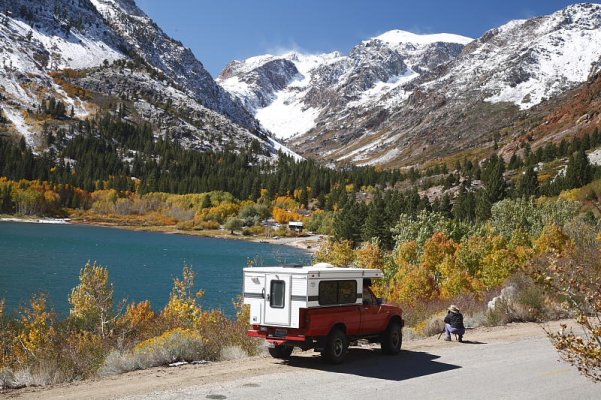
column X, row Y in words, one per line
column 337, row 292
column 276, row 296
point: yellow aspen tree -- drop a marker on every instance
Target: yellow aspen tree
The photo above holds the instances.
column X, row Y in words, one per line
column 37, row 332
column 137, row 321
column 370, row 255
column 92, row 300
column 183, row 309
column 339, row 253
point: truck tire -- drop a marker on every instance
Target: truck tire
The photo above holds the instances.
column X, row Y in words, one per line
column 336, row 347
column 281, row 351
column 392, row 339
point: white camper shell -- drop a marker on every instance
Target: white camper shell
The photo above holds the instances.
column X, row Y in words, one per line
column 276, row 294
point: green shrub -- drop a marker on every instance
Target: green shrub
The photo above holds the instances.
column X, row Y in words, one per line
column 207, row 225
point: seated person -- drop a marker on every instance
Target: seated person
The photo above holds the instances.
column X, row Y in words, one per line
column 454, row 323
column 368, row 297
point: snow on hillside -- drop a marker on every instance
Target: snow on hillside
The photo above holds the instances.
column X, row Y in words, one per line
column 557, row 54
column 29, row 51
column 563, row 58
column 73, row 50
column 286, row 118
column 373, row 95
column 20, row 125
column 397, row 36
column 286, row 115
column 373, row 69
column 277, row 146
column 594, row 157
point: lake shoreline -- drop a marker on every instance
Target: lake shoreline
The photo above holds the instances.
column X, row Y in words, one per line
column 309, row 243
column 48, row 257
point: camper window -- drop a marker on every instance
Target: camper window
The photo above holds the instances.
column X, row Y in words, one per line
column 337, row 292
column 276, row 297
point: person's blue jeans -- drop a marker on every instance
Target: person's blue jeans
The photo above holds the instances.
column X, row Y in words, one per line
column 456, row 331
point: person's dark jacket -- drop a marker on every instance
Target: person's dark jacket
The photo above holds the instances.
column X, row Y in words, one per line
column 455, row 320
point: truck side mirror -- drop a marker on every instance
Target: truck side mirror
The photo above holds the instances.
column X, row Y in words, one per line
column 380, row 300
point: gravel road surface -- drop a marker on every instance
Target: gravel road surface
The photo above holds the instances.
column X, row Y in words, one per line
column 513, row 362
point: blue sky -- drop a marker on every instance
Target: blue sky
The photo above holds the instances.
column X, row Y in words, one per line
column 219, row 31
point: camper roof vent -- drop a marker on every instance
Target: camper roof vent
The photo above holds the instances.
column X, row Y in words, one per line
column 293, row 266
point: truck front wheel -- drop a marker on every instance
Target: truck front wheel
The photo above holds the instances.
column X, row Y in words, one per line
column 336, row 347
column 392, row 339
column 281, row 351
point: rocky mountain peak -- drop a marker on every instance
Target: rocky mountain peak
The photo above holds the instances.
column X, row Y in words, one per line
column 146, row 39
column 127, row 6
column 331, row 83
column 71, row 49
column 400, row 97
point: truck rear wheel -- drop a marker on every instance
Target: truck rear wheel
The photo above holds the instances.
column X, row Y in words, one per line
column 281, row 351
column 392, row 339
column 336, row 347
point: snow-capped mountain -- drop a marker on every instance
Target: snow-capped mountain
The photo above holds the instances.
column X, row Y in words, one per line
column 144, row 38
column 120, row 55
column 526, row 61
column 401, row 98
column 289, row 93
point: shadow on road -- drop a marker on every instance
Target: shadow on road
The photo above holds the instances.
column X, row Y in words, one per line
column 472, row 342
column 373, row 364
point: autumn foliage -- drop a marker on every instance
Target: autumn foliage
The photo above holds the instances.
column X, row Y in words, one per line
column 99, row 337
column 572, row 273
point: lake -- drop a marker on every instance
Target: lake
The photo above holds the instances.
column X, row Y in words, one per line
column 48, row 258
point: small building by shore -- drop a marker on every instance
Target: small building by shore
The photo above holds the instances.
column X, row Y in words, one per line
column 296, row 226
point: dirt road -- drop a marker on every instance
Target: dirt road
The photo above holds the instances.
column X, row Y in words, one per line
column 513, row 362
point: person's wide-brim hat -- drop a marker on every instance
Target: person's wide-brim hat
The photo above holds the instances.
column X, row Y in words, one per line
column 453, row 308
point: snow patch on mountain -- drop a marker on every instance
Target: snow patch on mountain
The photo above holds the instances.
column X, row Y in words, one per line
column 373, row 95
column 286, row 115
column 390, row 155
column 277, row 146
column 16, row 117
column 395, row 37
column 72, row 50
column 286, row 118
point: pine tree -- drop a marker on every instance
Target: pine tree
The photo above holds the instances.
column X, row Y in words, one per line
column 578, row 172
column 375, row 225
column 446, row 207
column 529, row 183
column 304, row 198
column 596, row 138
column 483, row 206
column 493, row 179
column 464, row 208
column 348, row 222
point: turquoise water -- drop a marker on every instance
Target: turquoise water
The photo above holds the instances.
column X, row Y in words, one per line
column 47, row 258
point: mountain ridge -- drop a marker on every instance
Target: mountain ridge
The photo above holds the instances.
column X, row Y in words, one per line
column 139, row 65
column 351, row 74
column 398, row 110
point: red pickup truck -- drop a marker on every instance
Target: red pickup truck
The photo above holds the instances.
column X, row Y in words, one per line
column 319, row 307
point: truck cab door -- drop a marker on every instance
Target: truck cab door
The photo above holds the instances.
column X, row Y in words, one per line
column 372, row 316
column 277, row 300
